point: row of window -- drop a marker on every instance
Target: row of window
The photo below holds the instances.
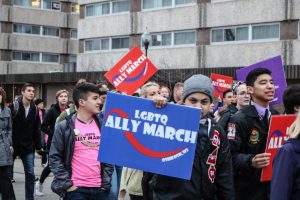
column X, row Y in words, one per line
column 41, row 30
column 161, row 39
column 246, row 33
column 119, row 6
column 54, row 5
column 35, row 57
column 104, row 44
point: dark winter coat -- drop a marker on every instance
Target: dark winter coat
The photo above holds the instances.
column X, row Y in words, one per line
column 48, row 124
column 285, row 182
column 247, row 136
column 201, row 186
column 26, row 131
column 61, row 154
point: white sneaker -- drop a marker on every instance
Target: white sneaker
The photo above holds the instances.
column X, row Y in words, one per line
column 38, row 189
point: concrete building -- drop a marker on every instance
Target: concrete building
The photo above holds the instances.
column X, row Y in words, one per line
column 37, row 36
column 190, row 34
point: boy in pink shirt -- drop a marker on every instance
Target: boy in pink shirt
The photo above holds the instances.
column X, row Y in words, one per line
column 74, row 150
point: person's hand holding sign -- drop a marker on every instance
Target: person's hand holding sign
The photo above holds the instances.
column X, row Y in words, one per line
column 261, row 160
column 159, row 101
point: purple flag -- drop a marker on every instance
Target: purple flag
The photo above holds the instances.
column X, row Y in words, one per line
column 275, row 66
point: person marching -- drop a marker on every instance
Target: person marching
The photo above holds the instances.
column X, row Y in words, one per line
column 212, row 176
column 247, row 133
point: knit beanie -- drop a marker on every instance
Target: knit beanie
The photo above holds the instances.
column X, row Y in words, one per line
column 38, row 101
column 198, row 83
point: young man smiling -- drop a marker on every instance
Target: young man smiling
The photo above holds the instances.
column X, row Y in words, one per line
column 248, row 131
column 74, row 150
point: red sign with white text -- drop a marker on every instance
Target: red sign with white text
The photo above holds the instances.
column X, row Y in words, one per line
column 131, row 72
column 221, row 83
column 277, row 135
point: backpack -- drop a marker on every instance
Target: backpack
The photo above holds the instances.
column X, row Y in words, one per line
column 16, row 109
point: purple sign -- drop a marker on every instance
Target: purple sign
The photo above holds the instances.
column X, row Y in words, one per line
column 275, row 66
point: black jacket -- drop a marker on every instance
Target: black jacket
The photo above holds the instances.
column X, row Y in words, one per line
column 248, row 137
column 61, row 154
column 26, row 131
column 225, row 116
column 49, row 122
column 200, row 186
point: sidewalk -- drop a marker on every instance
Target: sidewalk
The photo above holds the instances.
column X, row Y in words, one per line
column 19, row 185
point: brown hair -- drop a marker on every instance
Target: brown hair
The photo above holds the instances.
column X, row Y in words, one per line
column 59, row 92
column 26, row 85
column 3, row 94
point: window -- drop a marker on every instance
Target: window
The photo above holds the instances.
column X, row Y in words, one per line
column 72, row 59
column 26, row 56
column 97, row 44
column 102, row 44
column 51, row 5
column 182, row 38
column 164, row 39
column 28, row 3
column 179, row 2
column 107, row 8
column 26, row 29
column 217, row 1
column 44, row 4
column 120, row 43
column 97, row 9
column 120, row 6
column 73, row 34
column 50, row 31
column 173, row 38
column 75, row 8
column 154, row 4
column 230, row 34
column 262, row 32
column 52, row 58
column 247, row 33
column 148, row 4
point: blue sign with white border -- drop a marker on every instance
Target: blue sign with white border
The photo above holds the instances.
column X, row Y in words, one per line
column 138, row 135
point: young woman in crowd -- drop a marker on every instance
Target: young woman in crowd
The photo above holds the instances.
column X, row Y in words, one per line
column 6, row 149
column 62, row 97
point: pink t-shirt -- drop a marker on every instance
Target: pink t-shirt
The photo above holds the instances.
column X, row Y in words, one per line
column 86, row 171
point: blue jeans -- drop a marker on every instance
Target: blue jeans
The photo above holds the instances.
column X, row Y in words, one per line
column 116, row 178
column 85, row 193
column 28, row 163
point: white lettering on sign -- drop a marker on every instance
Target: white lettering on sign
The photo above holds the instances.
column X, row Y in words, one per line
column 152, row 129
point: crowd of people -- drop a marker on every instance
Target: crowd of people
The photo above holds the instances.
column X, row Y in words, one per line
column 227, row 169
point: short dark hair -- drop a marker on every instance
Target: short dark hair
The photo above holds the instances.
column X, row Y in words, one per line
column 26, row 85
column 291, row 98
column 252, row 75
column 81, row 91
column 226, row 92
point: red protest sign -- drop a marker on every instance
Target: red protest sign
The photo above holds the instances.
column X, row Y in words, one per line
column 277, row 135
column 131, row 72
column 221, row 83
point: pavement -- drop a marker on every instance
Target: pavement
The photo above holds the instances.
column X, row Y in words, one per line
column 19, row 185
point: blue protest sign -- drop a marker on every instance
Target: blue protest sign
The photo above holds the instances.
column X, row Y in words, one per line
column 136, row 134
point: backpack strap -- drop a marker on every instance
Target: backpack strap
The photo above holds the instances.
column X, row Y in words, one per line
column 16, row 108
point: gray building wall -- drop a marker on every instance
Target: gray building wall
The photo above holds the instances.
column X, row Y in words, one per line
column 202, row 17
column 9, row 41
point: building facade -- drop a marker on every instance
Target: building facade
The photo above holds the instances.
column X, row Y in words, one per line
column 188, row 36
column 37, row 36
column 189, row 33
